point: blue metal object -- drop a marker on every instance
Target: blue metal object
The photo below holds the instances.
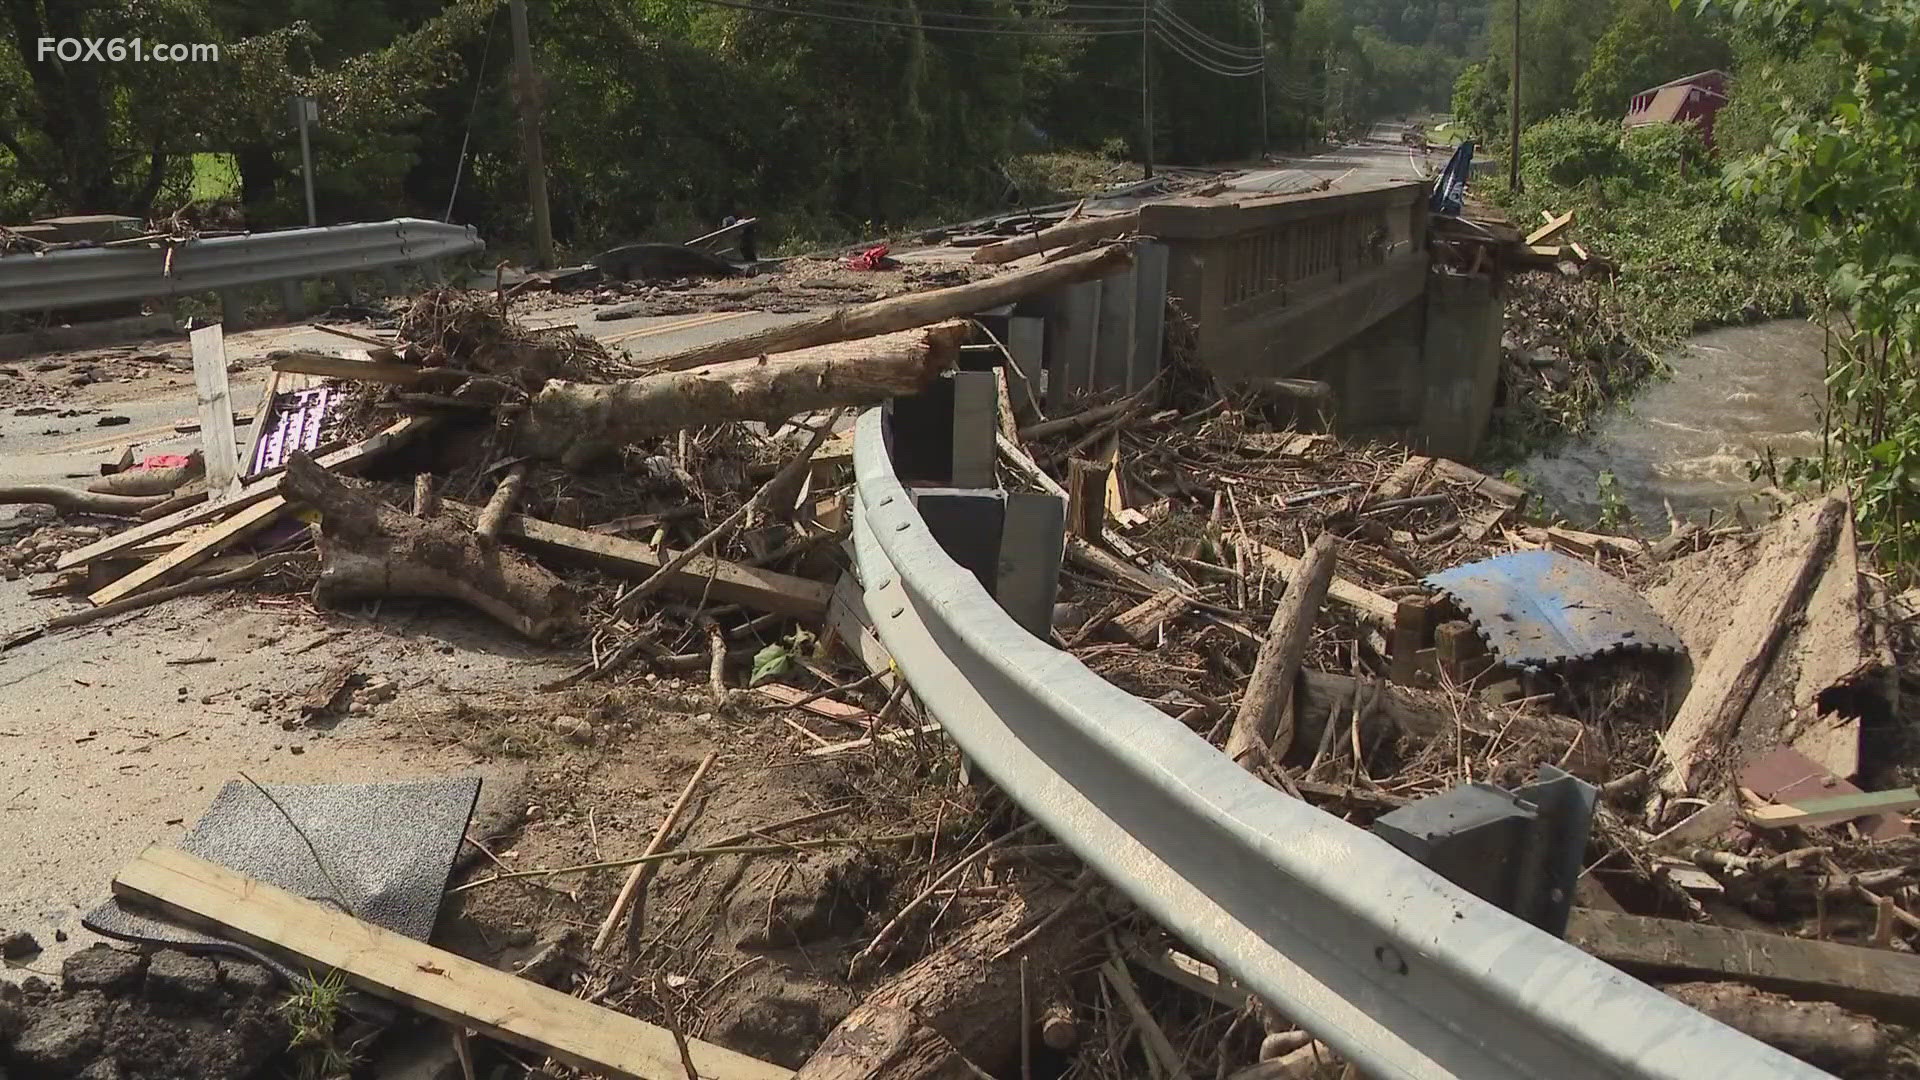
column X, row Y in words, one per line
column 1450, row 191
column 1540, row 609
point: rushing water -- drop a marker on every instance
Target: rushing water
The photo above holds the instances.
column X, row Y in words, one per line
column 1734, row 393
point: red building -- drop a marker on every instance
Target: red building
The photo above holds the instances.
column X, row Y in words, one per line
column 1695, row 98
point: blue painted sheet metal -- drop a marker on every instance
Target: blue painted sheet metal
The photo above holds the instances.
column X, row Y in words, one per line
column 1538, row 609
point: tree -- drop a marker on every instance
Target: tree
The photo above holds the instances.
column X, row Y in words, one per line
column 1647, row 44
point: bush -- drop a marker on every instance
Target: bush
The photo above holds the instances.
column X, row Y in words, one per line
column 1659, row 152
column 1567, row 150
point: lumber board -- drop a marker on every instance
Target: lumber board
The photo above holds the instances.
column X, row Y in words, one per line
column 445, row 985
column 819, row 706
column 718, row 579
column 262, row 415
column 1725, row 682
column 214, row 399
column 1878, row 982
column 347, row 459
column 202, row 547
column 347, row 367
column 1811, row 813
column 829, row 749
column 1363, row 600
column 1553, row 227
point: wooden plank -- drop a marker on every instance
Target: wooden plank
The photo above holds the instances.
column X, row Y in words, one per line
column 262, row 420
column 819, row 706
column 1873, row 981
column 195, row 551
column 1367, row 602
column 215, row 401
column 723, row 581
column 830, row 749
column 1196, row 975
column 1141, row 623
column 1810, row 813
column 1725, row 682
column 347, row 367
column 1553, row 227
column 445, row 985
column 1507, row 494
column 347, row 459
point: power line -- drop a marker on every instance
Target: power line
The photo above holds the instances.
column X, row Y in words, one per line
column 1126, row 28
column 1201, row 37
column 1202, row 62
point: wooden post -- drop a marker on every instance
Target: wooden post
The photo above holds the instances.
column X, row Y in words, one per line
column 216, row 411
column 1086, row 499
column 536, row 158
column 1412, row 622
column 1461, row 653
column 1266, row 717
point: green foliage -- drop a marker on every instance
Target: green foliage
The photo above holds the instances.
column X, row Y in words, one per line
column 1648, row 43
column 313, row 1011
column 1656, row 153
column 1847, row 173
column 1566, row 151
column 1614, row 511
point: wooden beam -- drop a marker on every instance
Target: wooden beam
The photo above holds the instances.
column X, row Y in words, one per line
column 1873, row 981
column 718, row 579
column 347, row 459
column 215, row 401
column 1072, row 232
column 346, row 367
column 1506, row 494
column 1724, row 684
column 1368, row 603
column 1553, row 227
column 445, row 985
column 194, row 552
column 1811, row 813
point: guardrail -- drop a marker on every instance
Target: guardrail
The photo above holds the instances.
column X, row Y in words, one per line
column 77, row 277
column 1402, row 972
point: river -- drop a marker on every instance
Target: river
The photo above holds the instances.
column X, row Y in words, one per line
column 1734, row 393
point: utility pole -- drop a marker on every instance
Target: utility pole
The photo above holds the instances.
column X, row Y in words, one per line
column 306, row 111
column 1146, row 85
column 1260, row 20
column 1513, row 108
column 530, row 137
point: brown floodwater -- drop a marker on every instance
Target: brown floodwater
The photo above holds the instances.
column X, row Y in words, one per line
column 1735, row 393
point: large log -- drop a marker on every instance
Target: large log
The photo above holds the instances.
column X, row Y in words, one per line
column 578, row 422
column 368, row 548
column 1071, row 232
column 957, row 1011
column 905, row 312
column 1265, row 720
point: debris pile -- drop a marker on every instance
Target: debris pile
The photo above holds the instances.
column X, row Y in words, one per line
column 818, row 889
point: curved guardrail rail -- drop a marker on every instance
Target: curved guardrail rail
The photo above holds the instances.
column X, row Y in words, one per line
column 1401, row 971
column 81, row 276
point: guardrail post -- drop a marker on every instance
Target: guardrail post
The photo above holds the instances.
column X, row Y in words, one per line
column 944, row 435
column 1031, row 540
column 293, row 299
column 1520, row 849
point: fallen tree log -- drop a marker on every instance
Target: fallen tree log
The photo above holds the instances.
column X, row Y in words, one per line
column 1819, row 1033
column 957, row 1011
column 70, row 501
column 579, row 422
column 904, row 312
column 1421, row 714
column 1265, row 721
column 368, row 548
column 1071, row 232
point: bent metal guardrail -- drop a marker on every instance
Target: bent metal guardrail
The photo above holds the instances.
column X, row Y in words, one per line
column 75, row 277
column 1401, row 971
